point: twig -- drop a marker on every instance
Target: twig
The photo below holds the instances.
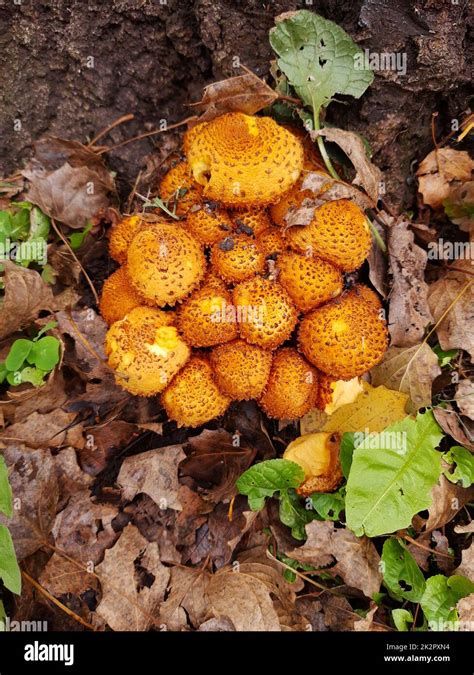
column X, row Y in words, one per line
column 145, row 135
column 120, row 120
column 426, row 548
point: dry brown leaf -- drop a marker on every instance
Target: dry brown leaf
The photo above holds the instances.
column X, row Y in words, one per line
column 456, row 330
column 447, row 500
column 63, row 577
column 68, row 181
column 34, row 484
column 154, row 473
column 465, row 529
column 71, row 478
column 368, row 176
column 466, row 568
column 439, row 170
column 409, row 314
column 186, row 598
column 454, row 425
column 378, row 262
column 244, row 93
column 410, row 370
column 338, row 613
column 25, row 295
column 367, row 623
column 465, row 398
column 353, row 558
column 40, row 431
column 465, row 609
column 133, row 582
column 460, row 202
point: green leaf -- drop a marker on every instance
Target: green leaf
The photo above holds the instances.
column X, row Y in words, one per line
column 9, row 570
column 14, row 378
column 264, row 479
column 45, row 329
column 464, row 466
column 444, row 357
column 348, row 443
column 441, row 597
column 401, row 574
column 34, row 376
column 3, row 617
column 6, row 501
column 19, row 352
column 319, row 59
column 294, row 514
column 20, row 224
column 392, row 475
column 5, row 226
column 294, row 564
column 77, row 239
column 45, row 353
column 39, row 224
column 329, row 505
column 3, row 372
column 402, row 618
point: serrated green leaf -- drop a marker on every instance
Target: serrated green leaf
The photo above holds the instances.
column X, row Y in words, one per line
column 441, row 597
column 464, row 466
column 401, row 574
column 294, row 514
column 19, row 352
column 329, row 505
column 45, row 353
column 319, row 59
column 402, row 618
column 392, row 475
column 9, row 571
column 6, row 500
column 264, row 479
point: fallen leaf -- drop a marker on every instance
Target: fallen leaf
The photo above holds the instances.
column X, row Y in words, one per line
column 63, row 577
column 71, row 478
column 456, row 329
column 367, row 623
column 373, row 410
column 35, row 493
column 439, row 170
column 133, row 582
column 465, row 529
column 244, row 93
column 186, row 598
column 37, row 431
column 459, row 204
column 338, row 613
column 456, row 426
column 410, row 370
column 368, row 176
column 221, row 625
column 466, row 568
column 226, row 534
column 68, row 181
column 25, row 295
column 378, row 262
column 355, row 559
column 88, row 330
column 465, row 398
column 465, row 609
column 447, row 500
column 409, row 313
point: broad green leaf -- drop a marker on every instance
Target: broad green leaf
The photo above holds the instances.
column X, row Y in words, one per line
column 264, row 479
column 19, row 352
column 441, row 597
column 14, row 378
column 32, row 250
column 392, row 475
column 20, row 224
column 39, row 224
column 329, row 505
column 5, row 226
column 33, row 375
column 401, row 574
column 402, row 618
column 319, row 59
column 464, row 466
column 294, row 514
column 77, row 239
column 6, row 505
column 9, row 571
column 45, row 353
column 348, row 442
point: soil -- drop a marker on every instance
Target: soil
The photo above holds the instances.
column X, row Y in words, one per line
column 70, row 68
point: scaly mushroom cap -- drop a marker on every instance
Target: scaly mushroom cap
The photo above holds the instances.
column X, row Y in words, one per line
column 338, row 233
column 118, row 297
column 145, row 350
column 344, row 338
column 193, row 398
column 236, row 258
column 334, row 393
column 209, row 225
column 310, row 282
column 179, row 187
column 203, row 318
column 121, row 236
column 241, row 370
column 294, row 198
column 252, row 222
column 368, row 295
column 271, row 242
column 318, row 456
column 292, row 387
column 165, row 263
column 244, row 161
column 265, row 312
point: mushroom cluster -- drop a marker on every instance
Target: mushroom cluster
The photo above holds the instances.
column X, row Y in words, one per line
column 228, row 303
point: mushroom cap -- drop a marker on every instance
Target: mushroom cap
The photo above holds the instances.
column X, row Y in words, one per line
column 292, row 387
column 236, row 258
column 292, row 199
column 265, row 312
column 118, row 297
column 203, row 318
column 193, row 397
column 145, row 350
column 252, row 222
column 343, row 338
column 179, row 186
column 209, row 225
column 368, row 295
column 244, row 161
column 338, row 232
column 271, row 242
column 318, row 456
column 165, row 263
column 241, row 370
column 310, row 282
column 121, row 236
